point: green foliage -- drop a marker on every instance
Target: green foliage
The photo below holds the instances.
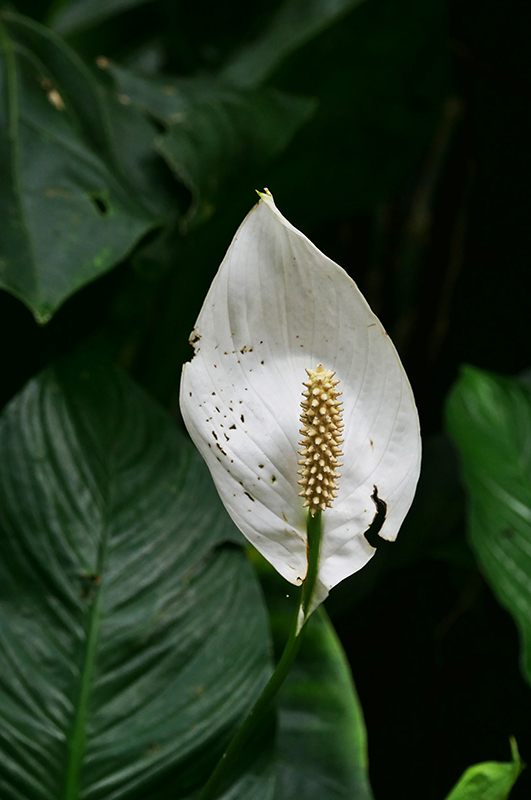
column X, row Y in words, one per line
column 321, row 733
column 67, row 18
column 133, row 634
column 68, row 210
column 212, row 130
column 377, row 108
column 490, row 781
column 83, row 183
column 321, row 738
column 295, row 23
column 489, row 418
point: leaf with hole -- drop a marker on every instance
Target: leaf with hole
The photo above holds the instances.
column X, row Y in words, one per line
column 68, row 211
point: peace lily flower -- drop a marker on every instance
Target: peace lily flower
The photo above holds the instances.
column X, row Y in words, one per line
column 298, row 402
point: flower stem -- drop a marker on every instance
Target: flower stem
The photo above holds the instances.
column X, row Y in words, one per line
column 313, row 531
column 256, row 714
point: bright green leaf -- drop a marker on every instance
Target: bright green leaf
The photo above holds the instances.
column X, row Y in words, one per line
column 67, row 207
column 213, row 130
column 492, row 780
column 489, row 418
column 295, row 23
column 132, row 633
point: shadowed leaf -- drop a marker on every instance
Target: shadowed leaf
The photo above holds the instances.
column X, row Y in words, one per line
column 489, row 418
column 68, row 211
column 211, row 130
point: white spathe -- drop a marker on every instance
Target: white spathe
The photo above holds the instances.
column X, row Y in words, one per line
column 276, row 307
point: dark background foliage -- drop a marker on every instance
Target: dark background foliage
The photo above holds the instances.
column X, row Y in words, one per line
column 414, row 175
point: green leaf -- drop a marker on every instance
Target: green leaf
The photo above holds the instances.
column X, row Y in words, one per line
column 71, row 17
column 295, row 23
column 492, row 780
column 489, row 418
column 212, row 130
column 132, row 633
column 68, row 209
column 150, row 178
column 321, row 737
column 381, row 78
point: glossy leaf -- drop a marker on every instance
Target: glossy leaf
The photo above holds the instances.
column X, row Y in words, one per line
column 68, row 209
column 322, row 750
column 492, row 780
column 276, row 308
column 321, row 737
column 132, row 634
column 213, row 129
column 489, row 418
column 295, row 23
column 321, row 742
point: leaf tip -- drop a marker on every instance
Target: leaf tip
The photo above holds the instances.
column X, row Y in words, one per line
column 515, row 755
column 42, row 317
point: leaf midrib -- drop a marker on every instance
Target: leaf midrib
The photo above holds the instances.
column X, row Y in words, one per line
column 78, row 735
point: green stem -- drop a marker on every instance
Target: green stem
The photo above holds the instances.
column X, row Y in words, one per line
column 258, row 711
column 313, row 531
column 254, row 717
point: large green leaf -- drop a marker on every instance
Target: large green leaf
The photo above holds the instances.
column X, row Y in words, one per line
column 321, row 738
column 212, row 130
column 295, row 23
column 322, row 748
column 489, row 418
column 68, row 210
column 492, row 780
column 71, row 17
column 132, row 633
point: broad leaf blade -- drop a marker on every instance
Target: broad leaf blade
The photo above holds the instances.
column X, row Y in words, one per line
column 70, row 212
column 321, row 740
column 321, row 737
column 132, row 639
column 295, row 23
column 147, row 173
column 489, row 418
column 213, row 130
column 81, row 14
column 492, row 780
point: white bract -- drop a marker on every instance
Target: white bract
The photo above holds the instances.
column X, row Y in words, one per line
column 277, row 308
